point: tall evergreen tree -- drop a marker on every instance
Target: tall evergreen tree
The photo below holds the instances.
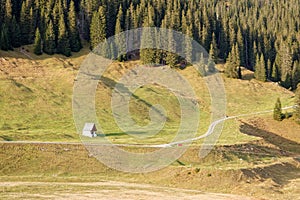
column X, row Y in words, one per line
column 120, row 39
column 286, row 66
column 15, row 33
column 240, row 42
column 148, row 55
column 8, row 12
column 4, row 39
column 232, row 66
column 75, row 42
column 188, row 44
column 275, row 73
column 49, row 42
column 260, row 69
column 98, row 27
column 213, row 52
column 25, row 23
column 297, row 103
column 277, row 113
column 171, row 58
column 63, row 44
column 295, row 75
column 38, row 43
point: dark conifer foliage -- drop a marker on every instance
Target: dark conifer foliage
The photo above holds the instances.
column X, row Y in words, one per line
column 232, row 66
column 260, row 68
column 49, row 42
column 297, row 102
column 269, row 28
column 38, row 43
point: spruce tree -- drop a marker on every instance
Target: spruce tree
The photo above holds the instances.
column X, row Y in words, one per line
column 232, row 66
column 188, row 44
column 63, row 44
column 25, row 23
column 120, row 40
column 295, row 75
column 75, row 43
column 4, row 39
column 269, row 69
column 49, row 42
column 31, row 33
column 15, row 33
column 171, row 58
column 277, row 113
column 260, row 69
column 286, row 65
column 201, row 66
column 213, row 52
column 297, row 104
column 8, row 11
column 240, row 42
column 98, row 27
column 38, row 43
column 275, row 73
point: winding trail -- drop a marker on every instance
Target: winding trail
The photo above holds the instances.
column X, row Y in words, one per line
column 210, row 130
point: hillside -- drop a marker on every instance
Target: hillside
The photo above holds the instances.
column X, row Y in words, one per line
column 36, row 98
column 36, row 105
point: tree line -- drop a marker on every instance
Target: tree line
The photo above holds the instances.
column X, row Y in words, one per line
column 262, row 36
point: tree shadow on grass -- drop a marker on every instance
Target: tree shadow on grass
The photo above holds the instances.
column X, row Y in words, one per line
column 280, row 173
column 281, row 142
column 122, row 89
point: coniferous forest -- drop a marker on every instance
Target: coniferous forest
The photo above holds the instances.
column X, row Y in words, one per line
column 262, row 36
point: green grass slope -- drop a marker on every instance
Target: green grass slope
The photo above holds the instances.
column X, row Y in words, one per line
column 36, row 100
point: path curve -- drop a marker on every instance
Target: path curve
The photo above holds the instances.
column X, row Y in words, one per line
column 166, row 145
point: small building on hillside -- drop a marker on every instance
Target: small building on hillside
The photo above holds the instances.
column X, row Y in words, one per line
column 89, row 130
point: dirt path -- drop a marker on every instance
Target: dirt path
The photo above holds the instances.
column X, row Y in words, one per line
column 208, row 133
column 104, row 190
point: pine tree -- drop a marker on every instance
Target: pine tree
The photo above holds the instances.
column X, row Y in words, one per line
column 297, row 103
column 120, row 21
column 25, row 23
column 201, row 66
column 75, row 43
column 260, row 69
column 213, row 52
column 38, row 43
column 232, row 66
column 98, row 28
column 277, row 113
column 129, row 18
column 188, row 44
column 63, row 44
column 4, row 39
column 275, row 73
column 223, row 43
column 15, row 33
column 148, row 55
column 8, row 11
column 49, row 42
column 31, row 33
column 269, row 69
column 295, row 75
column 120, row 39
column 240, row 42
column 286, row 66
column 171, row 58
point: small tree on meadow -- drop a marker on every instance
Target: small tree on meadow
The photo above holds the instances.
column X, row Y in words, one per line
column 277, row 114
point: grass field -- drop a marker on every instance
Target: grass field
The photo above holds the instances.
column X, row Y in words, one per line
column 36, row 100
column 36, row 105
